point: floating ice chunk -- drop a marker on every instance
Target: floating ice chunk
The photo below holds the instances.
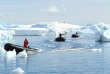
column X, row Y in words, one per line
column 22, row 54
column 99, row 50
column 91, row 45
column 40, row 50
column 2, row 51
column 18, row 71
column 5, row 35
column 102, row 32
column 11, row 54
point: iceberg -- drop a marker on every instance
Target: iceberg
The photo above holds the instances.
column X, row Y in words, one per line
column 86, row 30
column 45, row 28
column 5, row 35
column 18, row 71
column 5, row 32
column 10, row 54
column 22, row 54
column 7, row 25
column 40, row 29
column 2, row 51
column 102, row 31
column 55, row 28
column 29, row 31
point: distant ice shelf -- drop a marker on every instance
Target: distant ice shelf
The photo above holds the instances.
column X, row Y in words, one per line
column 47, row 28
column 30, row 31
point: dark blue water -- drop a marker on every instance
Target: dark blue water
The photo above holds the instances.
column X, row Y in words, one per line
column 61, row 57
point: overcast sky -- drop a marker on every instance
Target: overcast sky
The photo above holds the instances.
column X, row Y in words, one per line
column 71, row 11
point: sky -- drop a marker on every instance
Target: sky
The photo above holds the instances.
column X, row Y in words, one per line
column 71, row 11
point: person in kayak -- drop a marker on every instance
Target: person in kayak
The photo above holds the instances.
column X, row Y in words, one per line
column 76, row 33
column 26, row 43
column 60, row 35
column 60, row 38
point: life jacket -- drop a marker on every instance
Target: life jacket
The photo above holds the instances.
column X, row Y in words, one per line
column 76, row 33
column 26, row 43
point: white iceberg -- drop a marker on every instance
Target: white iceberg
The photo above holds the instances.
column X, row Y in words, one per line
column 2, row 51
column 5, row 35
column 102, row 32
column 7, row 25
column 22, row 54
column 45, row 28
column 11, row 54
column 18, row 71
column 55, row 28
column 29, row 31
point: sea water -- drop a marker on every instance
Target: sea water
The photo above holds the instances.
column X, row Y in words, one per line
column 74, row 56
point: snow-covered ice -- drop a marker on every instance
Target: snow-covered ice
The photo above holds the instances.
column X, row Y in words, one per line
column 5, row 35
column 102, row 31
column 45, row 28
column 18, row 71
column 10, row 54
column 22, row 54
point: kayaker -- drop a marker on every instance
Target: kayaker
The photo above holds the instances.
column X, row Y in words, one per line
column 60, row 35
column 60, row 38
column 76, row 33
